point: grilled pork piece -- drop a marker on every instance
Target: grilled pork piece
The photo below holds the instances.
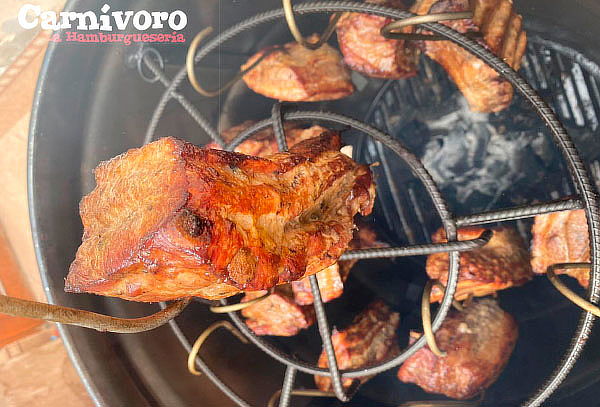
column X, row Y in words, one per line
column 277, row 314
column 502, row 263
column 297, row 74
column 331, row 280
column 371, row 338
column 502, row 33
column 561, row 237
column 264, row 143
column 478, row 343
column 365, row 50
column 172, row 220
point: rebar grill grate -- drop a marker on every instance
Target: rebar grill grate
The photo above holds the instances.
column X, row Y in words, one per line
column 578, row 107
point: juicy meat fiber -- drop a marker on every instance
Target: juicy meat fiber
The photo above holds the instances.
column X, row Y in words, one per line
column 370, row 339
column 263, row 143
column 561, row 237
column 297, row 74
column 502, row 263
column 365, row 50
column 331, row 280
column 277, row 314
column 478, row 343
column 172, row 220
column 502, row 33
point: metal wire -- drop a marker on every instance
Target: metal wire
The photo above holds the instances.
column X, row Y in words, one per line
column 576, row 168
column 419, row 250
column 291, row 22
column 426, row 319
column 224, row 309
column 520, row 212
column 288, row 386
column 191, row 362
column 278, row 128
column 18, row 307
column 566, row 291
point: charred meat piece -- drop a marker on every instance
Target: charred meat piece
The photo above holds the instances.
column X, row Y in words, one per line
column 561, row 237
column 502, row 263
column 297, row 74
column 172, row 220
column 277, row 314
column 331, row 280
column 478, row 343
column 370, row 339
column 264, row 143
column 485, row 90
column 365, row 50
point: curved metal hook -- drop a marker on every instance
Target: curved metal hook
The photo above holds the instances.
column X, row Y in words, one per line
column 305, row 393
column 291, row 21
column 189, row 65
column 391, row 30
column 191, row 362
column 70, row 316
column 223, row 309
column 566, row 291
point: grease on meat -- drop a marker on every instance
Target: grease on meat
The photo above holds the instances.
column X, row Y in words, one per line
column 294, row 73
column 370, row 339
column 502, row 29
column 561, row 237
column 331, row 280
column 172, row 220
column 478, row 343
column 365, row 50
column 277, row 314
column 502, row 263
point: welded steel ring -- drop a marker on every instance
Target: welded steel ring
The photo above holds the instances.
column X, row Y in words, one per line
column 417, row 168
column 576, row 167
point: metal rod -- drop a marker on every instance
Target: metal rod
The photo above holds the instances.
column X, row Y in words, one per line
column 325, row 332
column 288, row 385
column 278, row 128
column 290, row 18
column 419, row 250
column 566, row 291
column 520, row 212
column 204, row 367
column 17, row 307
column 186, row 104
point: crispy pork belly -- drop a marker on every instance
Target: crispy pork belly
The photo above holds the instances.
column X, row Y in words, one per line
column 502, row 263
column 172, row 220
column 502, row 33
column 478, row 343
column 264, row 143
column 296, row 74
column 365, row 50
column 331, row 280
column 370, row 339
column 561, row 237
column 277, row 314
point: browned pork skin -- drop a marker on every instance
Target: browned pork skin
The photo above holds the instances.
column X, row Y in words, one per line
column 370, row 339
column 502, row 263
column 172, row 220
column 478, row 343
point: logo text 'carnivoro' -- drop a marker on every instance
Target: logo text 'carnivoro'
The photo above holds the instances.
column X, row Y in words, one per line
column 30, row 16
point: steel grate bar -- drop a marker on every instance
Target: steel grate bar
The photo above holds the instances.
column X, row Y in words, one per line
column 186, row 104
column 325, row 332
column 520, row 212
column 287, row 387
column 418, row 250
